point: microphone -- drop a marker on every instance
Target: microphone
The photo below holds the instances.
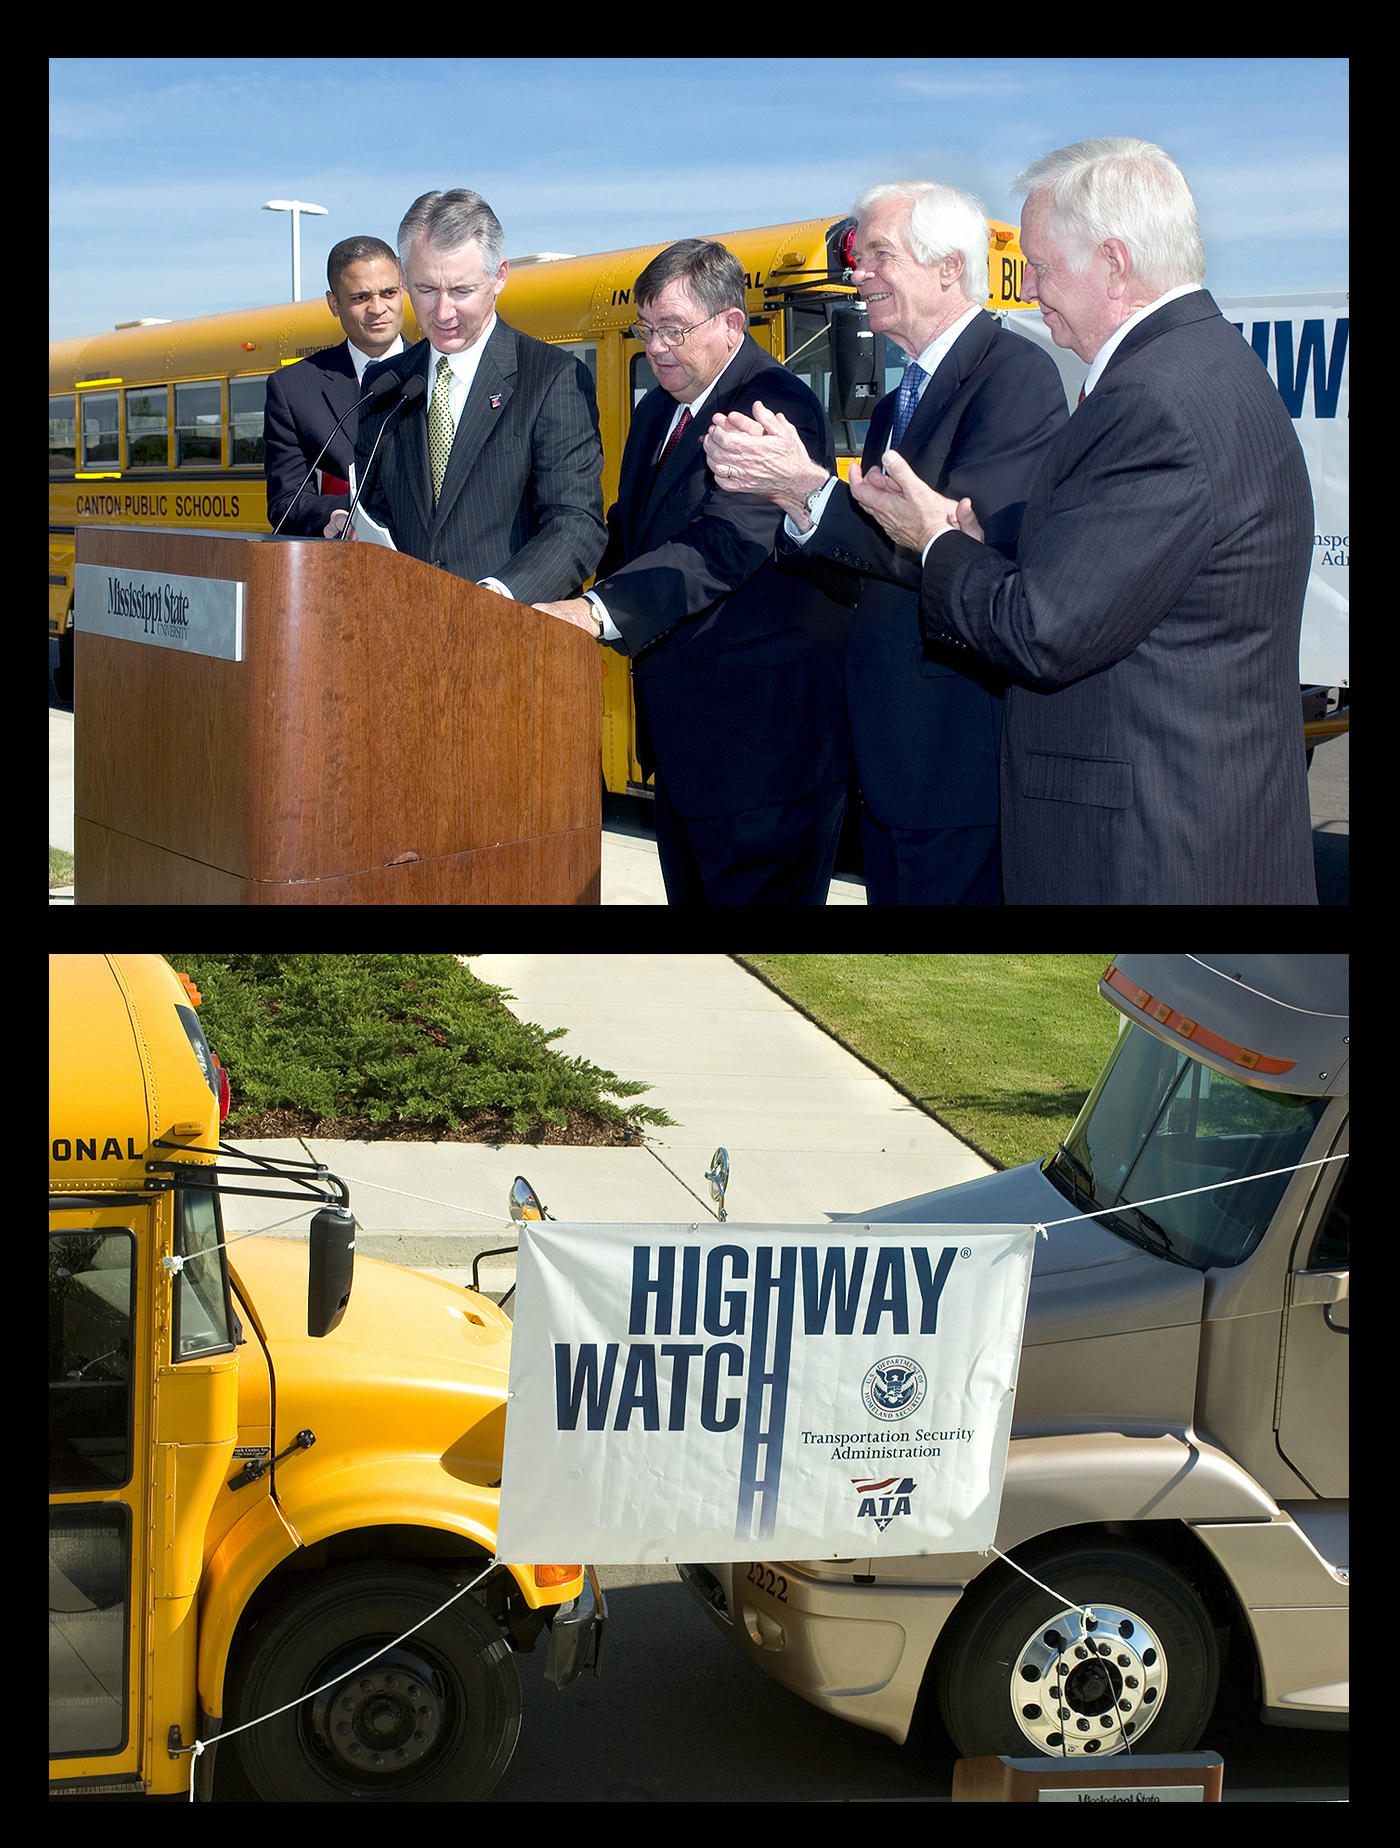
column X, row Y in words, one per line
column 383, row 387
column 414, row 388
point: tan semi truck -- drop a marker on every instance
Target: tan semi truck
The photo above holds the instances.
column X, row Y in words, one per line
column 1176, row 1483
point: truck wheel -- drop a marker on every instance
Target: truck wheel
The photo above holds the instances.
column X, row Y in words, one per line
column 1020, row 1672
column 435, row 1720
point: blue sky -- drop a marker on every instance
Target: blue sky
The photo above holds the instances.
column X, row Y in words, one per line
column 159, row 168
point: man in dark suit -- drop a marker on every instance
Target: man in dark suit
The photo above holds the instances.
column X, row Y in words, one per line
column 306, row 400
column 973, row 415
column 494, row 472
column 736, row 669
column 1153, row 749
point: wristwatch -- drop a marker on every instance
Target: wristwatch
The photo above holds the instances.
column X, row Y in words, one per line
column 814, row 497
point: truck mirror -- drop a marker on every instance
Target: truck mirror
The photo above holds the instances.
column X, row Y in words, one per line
column 718, row 1177
column 332, row 1269
column 525, row 1203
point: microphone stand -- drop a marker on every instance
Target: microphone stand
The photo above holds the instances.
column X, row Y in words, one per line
column 385, row 384
column 413, row 389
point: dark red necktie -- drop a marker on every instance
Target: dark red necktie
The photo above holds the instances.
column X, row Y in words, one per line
column 673, row 439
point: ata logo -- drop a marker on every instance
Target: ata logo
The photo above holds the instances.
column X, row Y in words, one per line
column 894, row 1388
column 882, row 1501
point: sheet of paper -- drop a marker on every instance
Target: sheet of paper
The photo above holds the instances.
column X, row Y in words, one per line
column 365, row 527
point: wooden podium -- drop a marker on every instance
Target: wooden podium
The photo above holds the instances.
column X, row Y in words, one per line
column 391, row 735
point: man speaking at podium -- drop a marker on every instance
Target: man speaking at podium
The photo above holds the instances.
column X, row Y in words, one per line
column 305, row 401
column 493, row 472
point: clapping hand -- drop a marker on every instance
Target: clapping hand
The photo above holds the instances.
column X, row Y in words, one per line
column 910, row 511
column 763, row 454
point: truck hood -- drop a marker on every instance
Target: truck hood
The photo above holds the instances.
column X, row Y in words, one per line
column 1085, row 1280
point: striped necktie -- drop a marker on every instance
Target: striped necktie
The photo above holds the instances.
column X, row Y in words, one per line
column 681, row 422
column 909, row 388
column 440, row 430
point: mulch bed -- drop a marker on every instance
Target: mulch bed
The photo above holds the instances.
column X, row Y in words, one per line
column 578, row 1131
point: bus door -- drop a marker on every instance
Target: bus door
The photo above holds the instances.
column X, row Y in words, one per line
column 100, row 1391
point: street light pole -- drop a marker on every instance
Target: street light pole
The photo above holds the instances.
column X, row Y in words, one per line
column 296, row 207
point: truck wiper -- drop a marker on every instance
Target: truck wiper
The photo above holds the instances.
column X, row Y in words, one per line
column 1167, row 1248
column 1068, row 1168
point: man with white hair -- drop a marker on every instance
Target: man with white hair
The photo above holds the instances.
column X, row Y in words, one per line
column 1152, row 750
column 972, row 416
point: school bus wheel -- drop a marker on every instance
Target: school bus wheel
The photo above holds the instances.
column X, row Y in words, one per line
column 434, row 1720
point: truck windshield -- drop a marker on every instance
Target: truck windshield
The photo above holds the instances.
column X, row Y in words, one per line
column 1158, row 1123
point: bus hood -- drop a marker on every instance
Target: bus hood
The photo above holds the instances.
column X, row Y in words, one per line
column 415, row 1376
column 1085, row 1280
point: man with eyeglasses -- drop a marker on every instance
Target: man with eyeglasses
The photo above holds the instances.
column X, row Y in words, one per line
column 737, row 669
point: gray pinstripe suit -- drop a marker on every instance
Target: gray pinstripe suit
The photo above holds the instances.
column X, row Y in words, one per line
column 522, row 499
column 1152, row 743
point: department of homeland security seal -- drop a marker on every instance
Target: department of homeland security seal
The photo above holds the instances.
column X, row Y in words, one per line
column 894, row 1388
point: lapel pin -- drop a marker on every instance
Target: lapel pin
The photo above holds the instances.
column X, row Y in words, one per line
column 496, row 402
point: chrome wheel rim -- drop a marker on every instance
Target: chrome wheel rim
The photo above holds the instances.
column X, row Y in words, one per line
column 1088, row 1687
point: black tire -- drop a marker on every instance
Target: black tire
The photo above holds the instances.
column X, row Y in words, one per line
column 1010, row 1681
column 433, row 1721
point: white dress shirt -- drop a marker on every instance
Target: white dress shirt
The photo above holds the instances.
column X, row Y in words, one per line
column 930, row 359
column 360, row 360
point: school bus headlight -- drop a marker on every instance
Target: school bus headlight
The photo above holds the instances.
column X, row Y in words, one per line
column 555, row 1575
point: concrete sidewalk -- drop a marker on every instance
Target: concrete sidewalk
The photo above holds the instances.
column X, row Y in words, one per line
column 813, row 1134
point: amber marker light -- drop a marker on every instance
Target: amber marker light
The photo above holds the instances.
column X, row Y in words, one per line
column 555, row 1575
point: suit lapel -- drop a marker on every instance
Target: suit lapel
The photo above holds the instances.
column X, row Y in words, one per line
column 688, row 452
column 1199, row 305
column 338, row 384
column 487, row 403
column 649, row 422
column 957, row 363
column 412, row 443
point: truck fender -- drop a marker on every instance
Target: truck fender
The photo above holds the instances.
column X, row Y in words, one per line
column 1150, row 1474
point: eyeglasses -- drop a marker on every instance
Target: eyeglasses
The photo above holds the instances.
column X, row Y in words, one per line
column 668, row 336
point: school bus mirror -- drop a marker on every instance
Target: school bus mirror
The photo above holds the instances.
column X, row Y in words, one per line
column 857, row 375
column 332, row 1269
column 525, row 1203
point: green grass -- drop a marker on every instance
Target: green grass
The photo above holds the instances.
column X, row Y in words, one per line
column 1001, row 1049
column 402, row 1046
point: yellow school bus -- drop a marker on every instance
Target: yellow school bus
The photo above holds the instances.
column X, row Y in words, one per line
column 260, row 1475
column 160, row 424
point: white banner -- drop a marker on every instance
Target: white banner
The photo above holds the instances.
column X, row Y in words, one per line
column 1304, row 341
column 741, row 1392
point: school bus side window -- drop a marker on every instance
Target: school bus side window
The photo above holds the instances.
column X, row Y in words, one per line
column 197, row 424
column 91, row 1306
column 246, row 401
column 63, row 434
column 643, row 378
column 201, row 1294
column 146, row 445
column 100, row 430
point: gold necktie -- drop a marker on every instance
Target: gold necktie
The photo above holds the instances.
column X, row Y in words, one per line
column 440, row 425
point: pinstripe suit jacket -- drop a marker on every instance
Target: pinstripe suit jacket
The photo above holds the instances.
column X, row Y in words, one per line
column 522, row 498
column 1152, row 744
